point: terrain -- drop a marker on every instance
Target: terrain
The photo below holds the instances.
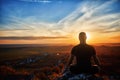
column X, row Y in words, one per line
column 45, row 62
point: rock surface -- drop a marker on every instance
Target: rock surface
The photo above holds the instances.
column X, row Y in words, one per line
column 83, row 76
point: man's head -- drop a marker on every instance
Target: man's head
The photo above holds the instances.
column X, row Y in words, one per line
column 82, row 37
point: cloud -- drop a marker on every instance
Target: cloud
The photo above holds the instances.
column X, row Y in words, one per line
column 91, row 18
column 115, row 37
column 41, row 1
column 30, row 27
column 88, row 16
column 31, row 38
column 86, row 9
column 13, row 29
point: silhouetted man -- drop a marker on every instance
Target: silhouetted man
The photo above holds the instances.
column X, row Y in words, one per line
column 83, row 54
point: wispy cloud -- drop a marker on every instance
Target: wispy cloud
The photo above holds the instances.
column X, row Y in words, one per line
column 115, row 37
column 41, row 1
column 30, row 38
column 86, row 17
column 92, row 17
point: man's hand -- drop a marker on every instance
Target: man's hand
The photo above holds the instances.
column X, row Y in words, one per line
column 99, row 67
column 65, row 69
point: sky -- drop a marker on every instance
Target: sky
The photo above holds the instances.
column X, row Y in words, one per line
column 59, row 21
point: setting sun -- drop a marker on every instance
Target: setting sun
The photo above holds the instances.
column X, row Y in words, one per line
column 88, row 36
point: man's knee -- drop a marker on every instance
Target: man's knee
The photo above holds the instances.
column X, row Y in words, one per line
column 95, row 69
column 74, row 69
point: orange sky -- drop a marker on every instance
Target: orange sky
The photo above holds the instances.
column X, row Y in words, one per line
column 71, row 39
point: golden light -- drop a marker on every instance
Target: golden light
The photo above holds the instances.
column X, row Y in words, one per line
column 88, row 36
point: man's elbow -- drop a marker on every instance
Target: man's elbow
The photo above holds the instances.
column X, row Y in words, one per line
column 96, row 59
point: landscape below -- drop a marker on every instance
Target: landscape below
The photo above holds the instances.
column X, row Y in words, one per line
column 45, row 62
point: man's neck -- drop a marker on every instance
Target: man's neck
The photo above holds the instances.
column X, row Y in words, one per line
column 83, row 43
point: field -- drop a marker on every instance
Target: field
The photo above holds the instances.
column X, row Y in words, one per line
column 45, row 62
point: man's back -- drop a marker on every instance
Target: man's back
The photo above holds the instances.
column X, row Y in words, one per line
column 83, row 54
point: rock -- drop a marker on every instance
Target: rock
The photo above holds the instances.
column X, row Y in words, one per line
column 83, row 76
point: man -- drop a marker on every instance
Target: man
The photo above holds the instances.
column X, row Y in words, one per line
column 83, row 54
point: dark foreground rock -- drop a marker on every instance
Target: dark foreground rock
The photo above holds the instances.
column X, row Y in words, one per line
column 17, row 77
column 83, row 76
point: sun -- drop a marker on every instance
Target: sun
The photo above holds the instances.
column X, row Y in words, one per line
column 88, row 36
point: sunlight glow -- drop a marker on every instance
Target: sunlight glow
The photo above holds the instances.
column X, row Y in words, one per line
column 88, row 36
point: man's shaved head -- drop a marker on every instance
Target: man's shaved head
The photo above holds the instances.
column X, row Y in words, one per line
column 82, row 37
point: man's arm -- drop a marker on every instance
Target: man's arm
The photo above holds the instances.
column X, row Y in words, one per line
column 96, row 60
column 70, row 61
column 68, row 64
